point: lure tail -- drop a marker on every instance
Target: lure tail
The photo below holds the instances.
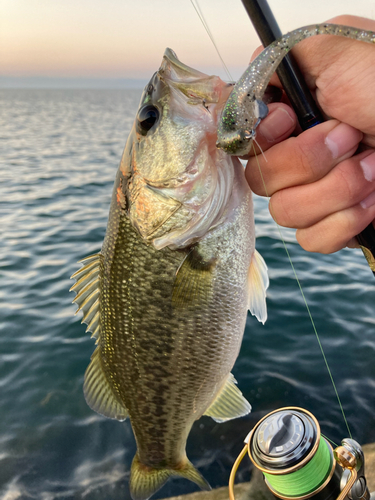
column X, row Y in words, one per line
column 244, row 108
column 145, row 480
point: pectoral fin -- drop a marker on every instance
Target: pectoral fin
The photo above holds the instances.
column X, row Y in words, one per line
column 257, row 284
column 229, row 403
column 98, row 393
column 193, row 283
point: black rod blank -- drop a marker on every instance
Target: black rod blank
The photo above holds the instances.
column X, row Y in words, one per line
column 306, row 109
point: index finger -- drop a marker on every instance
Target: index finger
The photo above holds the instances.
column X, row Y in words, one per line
column 303, row 159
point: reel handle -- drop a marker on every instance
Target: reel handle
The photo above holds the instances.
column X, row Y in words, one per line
column 349, row 485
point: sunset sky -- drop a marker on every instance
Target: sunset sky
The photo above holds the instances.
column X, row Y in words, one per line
column 127, row 38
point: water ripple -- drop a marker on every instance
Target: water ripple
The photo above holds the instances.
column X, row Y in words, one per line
column 60, row 151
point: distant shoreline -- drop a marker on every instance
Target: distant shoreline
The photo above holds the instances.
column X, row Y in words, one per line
column 42, row 82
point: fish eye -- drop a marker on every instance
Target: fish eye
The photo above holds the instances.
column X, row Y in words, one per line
column 147, row 117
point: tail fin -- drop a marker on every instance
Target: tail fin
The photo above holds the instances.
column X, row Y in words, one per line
column 188, row 471
column 145, row 481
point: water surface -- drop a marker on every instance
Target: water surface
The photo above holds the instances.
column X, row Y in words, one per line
column 59, row 155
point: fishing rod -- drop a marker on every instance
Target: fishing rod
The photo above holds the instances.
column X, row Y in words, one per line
column 306, row 109
column 286, row 445
column 298, row 463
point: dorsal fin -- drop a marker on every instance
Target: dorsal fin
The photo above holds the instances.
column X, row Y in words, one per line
column 229, row 403
column 98, row 392
column 87, row 287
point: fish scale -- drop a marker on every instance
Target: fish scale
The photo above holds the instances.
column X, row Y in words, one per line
column 135, row 283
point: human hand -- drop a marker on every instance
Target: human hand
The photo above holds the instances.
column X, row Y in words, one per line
column 316, row 184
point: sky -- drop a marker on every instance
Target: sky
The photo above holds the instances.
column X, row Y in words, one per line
column 113, row 39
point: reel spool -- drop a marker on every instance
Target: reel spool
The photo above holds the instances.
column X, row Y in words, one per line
column 298, row 463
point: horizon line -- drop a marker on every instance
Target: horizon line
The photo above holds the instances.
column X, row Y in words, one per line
column 57, row 82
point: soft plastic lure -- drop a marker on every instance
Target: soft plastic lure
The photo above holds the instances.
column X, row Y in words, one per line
column 245, row 109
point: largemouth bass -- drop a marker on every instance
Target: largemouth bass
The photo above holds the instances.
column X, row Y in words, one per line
column 167, row 296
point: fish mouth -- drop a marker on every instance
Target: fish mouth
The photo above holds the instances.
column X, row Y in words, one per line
column 176, row 70
column 198, row 87
column 171, row 70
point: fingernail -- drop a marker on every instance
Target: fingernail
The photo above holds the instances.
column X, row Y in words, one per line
column 276, row 125
column 369, row 201
column 368, row 167
column 342, row 139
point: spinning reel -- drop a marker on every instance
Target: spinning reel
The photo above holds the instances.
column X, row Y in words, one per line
column 298, row 463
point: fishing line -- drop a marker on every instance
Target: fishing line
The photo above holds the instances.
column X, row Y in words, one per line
column 260, row 149
column 306, row 479
column 199, row 12
column 205, row 25
column 330, row 440
column 303, row 295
